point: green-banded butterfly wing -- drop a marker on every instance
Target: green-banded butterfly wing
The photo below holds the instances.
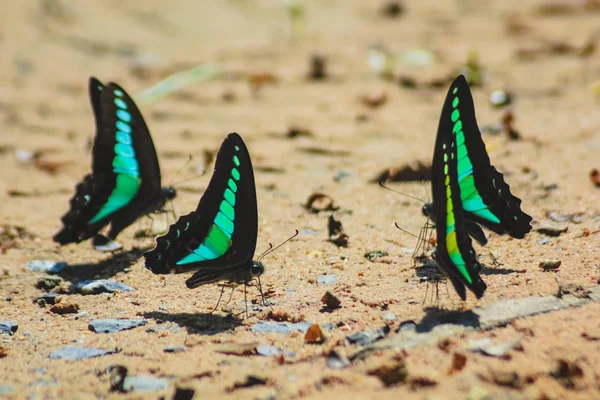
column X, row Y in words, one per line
column 134, row 162
column 454, row 253
column 219, row 238
column 485, row 196
column 125, row 179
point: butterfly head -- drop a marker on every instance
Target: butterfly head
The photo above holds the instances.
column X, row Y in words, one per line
column 257, row 269
column 428, row 211
column 169, row 193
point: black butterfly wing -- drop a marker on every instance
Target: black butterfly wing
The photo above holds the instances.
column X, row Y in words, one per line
column 91, row 193
column 454, row 254
column 219, row 237
column 134, row 161
column 485, row 196
column 125, row 179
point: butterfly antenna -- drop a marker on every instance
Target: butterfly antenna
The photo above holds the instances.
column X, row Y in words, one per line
column 426, row 192
column 400, row 193
column 272, row 249
column 189, row 179
column 411, row 234
column 265, row 252
column 181, row 169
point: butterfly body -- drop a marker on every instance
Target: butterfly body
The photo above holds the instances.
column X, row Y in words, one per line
column 218, row 239
column 125, row 182
column 467, row 192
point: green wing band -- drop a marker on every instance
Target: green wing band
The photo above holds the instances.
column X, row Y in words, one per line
column 471, row 200
column 125, row 165
column 218, row 240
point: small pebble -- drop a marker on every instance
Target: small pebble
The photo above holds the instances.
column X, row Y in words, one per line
column 65, row 308
column 329, row 279
column 174, row 349
column 331, row 301
column 409, row 325
column 368, row 337
column 548, row 265
column 389, row 316
column 50, row 267
column 336, row 361
column 101, row 286
column 280, row 327
column 8, row 327
column 266, row 350
column 144, row 383
column 183, row 394
column 372, row 255
column 115, row 325
column 79, row 353
column 314, row 335
column 46, row 298
column 48, row 282
column 500, row 98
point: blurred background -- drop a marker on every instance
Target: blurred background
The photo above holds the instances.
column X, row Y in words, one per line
column 326, row 89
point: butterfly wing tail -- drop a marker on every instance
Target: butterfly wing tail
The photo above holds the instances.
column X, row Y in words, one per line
column 82, row 206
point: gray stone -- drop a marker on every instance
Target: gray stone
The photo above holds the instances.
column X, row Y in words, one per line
column 46, row 298
column 485, row 346
column 48, row 282
column 101, row 286
column 115, row 325
column 79, row 353
column 50, row 267
column 329, row 279
column 144, row 383
column 280, row 327
column 389, row 316
column 8, row 327
column 174, row 349
column 268, row 350
column 368, row 337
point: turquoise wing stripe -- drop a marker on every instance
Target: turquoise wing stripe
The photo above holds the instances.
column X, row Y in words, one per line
column 471, row 200
column 125, row 165
column 218, row 240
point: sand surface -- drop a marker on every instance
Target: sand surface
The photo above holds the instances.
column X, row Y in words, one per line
column 50, row 48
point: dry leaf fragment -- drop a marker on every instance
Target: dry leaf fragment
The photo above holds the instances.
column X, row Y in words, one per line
column 336, row 233
column 595, row 177
column 374, row 100
column 318, row 202
column 318, row 67
column 414, row 171
column 330, row 300
column 314, row 335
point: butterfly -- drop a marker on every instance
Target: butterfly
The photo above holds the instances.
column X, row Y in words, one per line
column 467, row 192
column 218, row 239
column 125, row 182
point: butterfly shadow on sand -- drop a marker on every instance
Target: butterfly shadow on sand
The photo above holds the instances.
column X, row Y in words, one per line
column 435, row 316
column 197, row 323
column 103, row 269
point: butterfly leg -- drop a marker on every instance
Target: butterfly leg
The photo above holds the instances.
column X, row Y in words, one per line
column 264, row 300
column 246, row 299
column 218, row 301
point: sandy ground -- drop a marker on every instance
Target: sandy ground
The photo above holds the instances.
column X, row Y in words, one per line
column 50, row 48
